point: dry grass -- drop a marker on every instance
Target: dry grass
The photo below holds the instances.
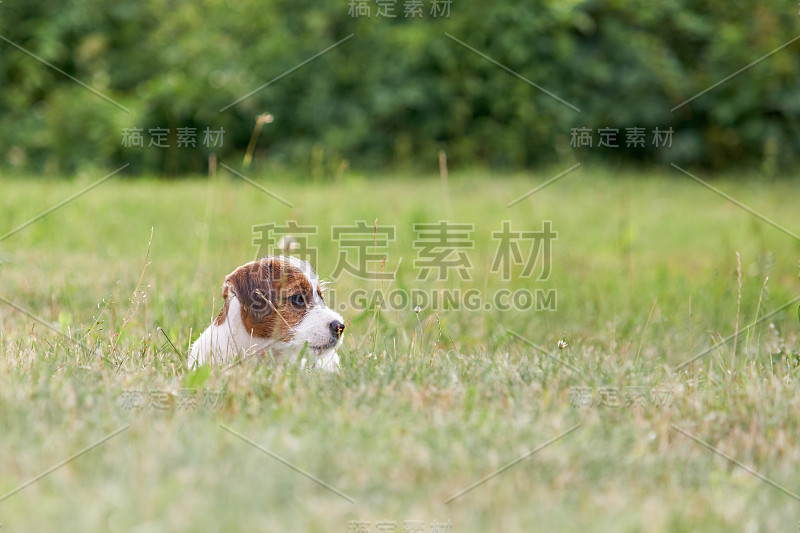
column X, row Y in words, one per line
column 426, row 403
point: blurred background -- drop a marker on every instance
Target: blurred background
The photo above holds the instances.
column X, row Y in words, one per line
column 400, row 89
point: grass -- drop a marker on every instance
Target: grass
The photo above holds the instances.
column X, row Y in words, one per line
column 426, row 404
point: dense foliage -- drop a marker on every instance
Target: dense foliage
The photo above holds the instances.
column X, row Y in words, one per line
column 400, row 89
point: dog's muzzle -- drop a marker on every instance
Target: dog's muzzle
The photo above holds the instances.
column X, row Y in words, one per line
column 337, row 328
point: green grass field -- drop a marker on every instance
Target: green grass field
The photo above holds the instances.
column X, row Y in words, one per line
column 426, row 405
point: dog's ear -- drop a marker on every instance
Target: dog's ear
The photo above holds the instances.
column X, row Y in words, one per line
column 254, row 285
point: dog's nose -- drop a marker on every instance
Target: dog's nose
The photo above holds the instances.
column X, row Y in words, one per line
column 336, row 328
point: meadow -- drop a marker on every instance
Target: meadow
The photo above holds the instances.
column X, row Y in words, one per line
column 615, row 410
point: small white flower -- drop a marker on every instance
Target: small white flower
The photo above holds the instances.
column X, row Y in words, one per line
column 287, row 243
column 562, row 344
column 417, row 309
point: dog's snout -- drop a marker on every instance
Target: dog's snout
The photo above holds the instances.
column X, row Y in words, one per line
column 336, row 328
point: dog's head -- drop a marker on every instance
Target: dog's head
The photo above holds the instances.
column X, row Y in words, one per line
column 281, row 299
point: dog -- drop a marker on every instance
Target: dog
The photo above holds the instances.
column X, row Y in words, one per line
column 273, row 308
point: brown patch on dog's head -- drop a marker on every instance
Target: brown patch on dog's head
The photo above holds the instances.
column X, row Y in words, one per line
column 273, row 294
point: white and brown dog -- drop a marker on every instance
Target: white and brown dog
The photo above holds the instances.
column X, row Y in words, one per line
column 273, row 308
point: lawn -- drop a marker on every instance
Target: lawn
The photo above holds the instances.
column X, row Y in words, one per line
column 673, row 355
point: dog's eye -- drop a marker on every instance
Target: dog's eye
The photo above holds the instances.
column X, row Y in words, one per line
column 297, row 300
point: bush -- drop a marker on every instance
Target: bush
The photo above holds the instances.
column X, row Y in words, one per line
column 401, row 89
